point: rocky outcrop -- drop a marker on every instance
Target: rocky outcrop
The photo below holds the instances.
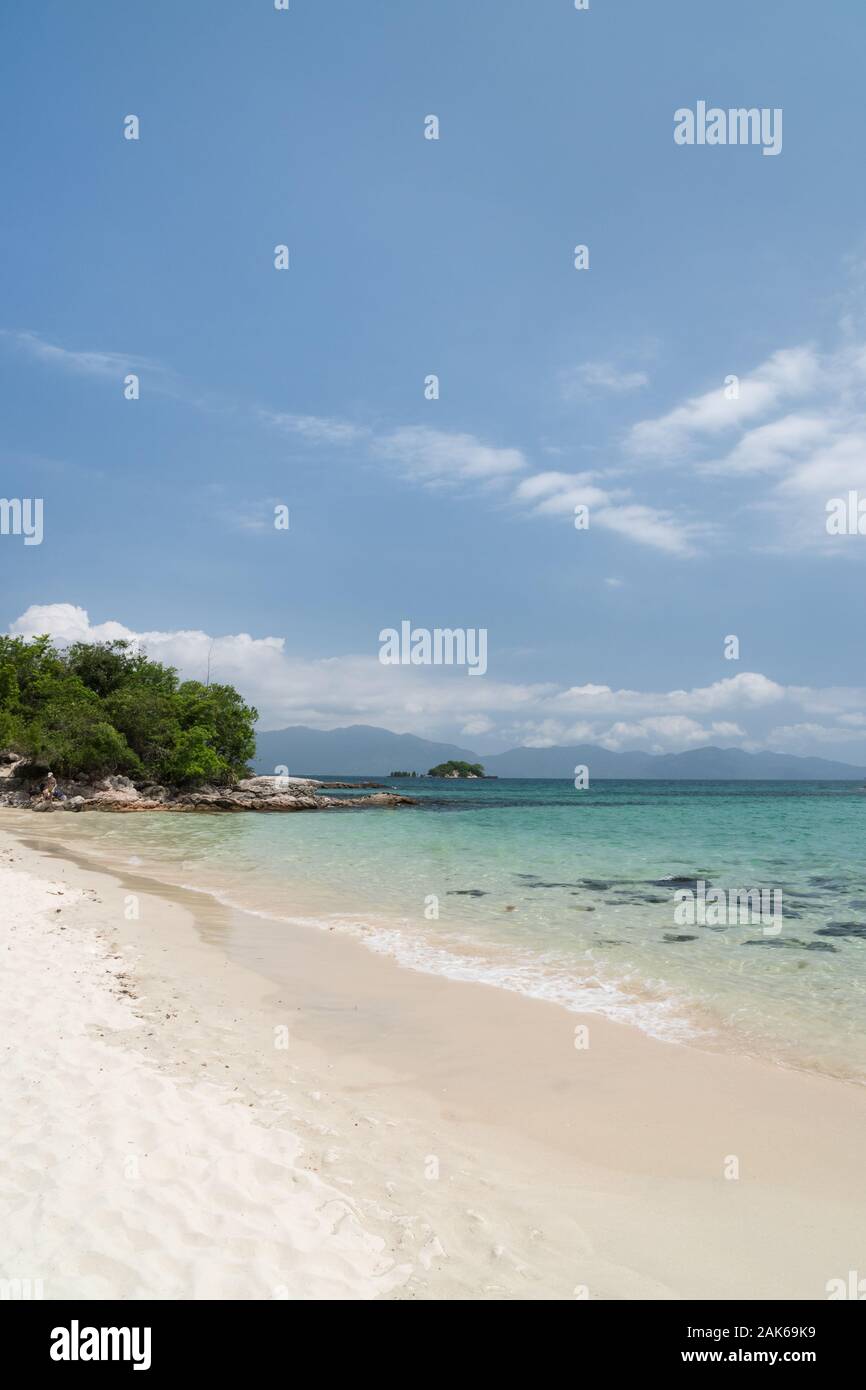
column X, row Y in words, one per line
column 120, row 794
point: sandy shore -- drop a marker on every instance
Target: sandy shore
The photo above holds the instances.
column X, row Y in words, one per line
column 195, row 1107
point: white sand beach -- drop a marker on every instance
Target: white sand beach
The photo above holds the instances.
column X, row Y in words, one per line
column 179, row 1122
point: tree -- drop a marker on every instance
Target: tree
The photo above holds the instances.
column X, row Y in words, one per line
column 192, row 759
column 456, row 768
column 105, row 707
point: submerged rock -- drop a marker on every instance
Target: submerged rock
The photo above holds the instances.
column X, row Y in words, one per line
column 678, row 882
column 638, row 898
column 539, row 884
column 843, row 929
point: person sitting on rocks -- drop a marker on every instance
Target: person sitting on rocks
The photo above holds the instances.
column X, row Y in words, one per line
column 49, row 786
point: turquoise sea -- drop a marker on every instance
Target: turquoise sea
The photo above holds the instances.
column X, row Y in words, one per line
column 569, row 895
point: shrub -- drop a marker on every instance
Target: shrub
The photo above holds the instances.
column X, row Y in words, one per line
column 104, row 708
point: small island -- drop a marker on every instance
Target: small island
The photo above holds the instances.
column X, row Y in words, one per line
column 455, row 768
column 402, row 774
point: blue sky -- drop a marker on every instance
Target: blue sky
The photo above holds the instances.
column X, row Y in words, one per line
column 454, row 257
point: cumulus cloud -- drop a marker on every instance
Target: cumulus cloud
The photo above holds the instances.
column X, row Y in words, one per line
column 747, row 689
column 746, row 710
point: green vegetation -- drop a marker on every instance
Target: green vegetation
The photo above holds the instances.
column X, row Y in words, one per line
column 94, row 710
column 456, row 769
column 402, row 774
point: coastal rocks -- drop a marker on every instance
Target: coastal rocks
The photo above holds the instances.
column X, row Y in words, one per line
column 351, row 786
column 272, row 786
column 117, row 789
column 227, row 800
column 153, row 792
column 120, row 794
column 377, row 799
column 16, row 797
column 246, row 798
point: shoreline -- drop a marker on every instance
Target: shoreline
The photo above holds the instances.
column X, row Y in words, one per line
column 478, row 1152
column 663, row 1009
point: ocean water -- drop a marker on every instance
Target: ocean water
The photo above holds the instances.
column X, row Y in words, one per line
column 570, row 895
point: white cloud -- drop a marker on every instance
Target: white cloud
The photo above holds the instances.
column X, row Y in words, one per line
column 834, row 467
column 592, row 378
column 436, row 456
column 661, row 732
column 421, row 453
column 748, row 689
column 746, row 710
column 315, row 429
column 89, row 363
column 557, row 494
column 794, row 438
column 651, row 526
column 772, row 447
column 799, row 458
column 809, row 739
column 789, row 373
column 477, row 725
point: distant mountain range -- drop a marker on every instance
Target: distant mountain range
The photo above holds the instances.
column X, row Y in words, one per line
column 362, row 750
